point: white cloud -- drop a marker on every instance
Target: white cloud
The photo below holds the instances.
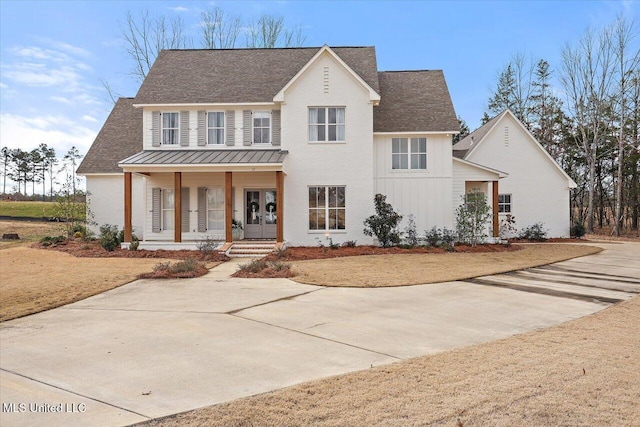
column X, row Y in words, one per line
column 4, row 86
column 179, row 9
column 34, row 74
column 58, row 132
column 62, row 100
column 89, row 119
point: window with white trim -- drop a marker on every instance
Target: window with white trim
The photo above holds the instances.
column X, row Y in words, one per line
column 326, row 124
column 215, row 127
column 215, row 208
column 504, row 203
column 409, row 153
column 170, row 128
column 168, row 209
column 327, row 208
column 261, row 127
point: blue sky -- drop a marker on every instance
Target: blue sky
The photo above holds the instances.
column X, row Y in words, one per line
column 53, row 54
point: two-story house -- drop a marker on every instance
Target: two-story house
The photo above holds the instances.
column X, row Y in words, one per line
column 294, row 143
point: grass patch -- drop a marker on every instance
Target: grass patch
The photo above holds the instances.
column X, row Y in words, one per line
column 35, row 280
column 413, row 269
column 28, row 231
column 28, row 209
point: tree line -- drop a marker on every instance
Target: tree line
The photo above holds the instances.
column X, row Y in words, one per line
column 592, row 129
column 35, row 166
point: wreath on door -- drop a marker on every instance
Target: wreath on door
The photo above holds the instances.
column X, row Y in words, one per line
column 271, row 207
column 254, row 207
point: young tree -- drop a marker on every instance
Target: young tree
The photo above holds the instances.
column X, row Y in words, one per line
column 514, row 88
column 472, row 217
column 384, row 224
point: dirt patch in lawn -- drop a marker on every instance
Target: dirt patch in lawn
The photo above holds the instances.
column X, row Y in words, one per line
column 416, row 268
column 34, row 280
column 581, row 373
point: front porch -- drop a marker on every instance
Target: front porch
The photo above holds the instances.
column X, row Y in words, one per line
column 189, row 203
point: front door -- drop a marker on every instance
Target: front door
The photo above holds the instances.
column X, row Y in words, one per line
column 260, row 214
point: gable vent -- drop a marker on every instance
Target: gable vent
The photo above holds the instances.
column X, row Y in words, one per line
column 506, row 136
column 326, row 79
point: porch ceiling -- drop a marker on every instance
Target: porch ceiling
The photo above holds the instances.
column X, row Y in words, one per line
column 223, row 159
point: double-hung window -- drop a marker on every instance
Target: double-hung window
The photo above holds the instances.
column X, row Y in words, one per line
column 326, row 124
column 170, row 128
column 327, row 208
column 409, row 153
column 215, row 127
column 261, row 127
column 504, row 203
column 168, row 206
column 215, row 209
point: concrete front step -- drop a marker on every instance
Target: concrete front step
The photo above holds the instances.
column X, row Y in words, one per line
column 251, row 249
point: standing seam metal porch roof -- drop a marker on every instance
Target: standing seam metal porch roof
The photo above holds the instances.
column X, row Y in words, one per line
column 205, row 157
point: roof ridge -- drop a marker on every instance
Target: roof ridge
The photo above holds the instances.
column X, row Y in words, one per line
column 264, row 48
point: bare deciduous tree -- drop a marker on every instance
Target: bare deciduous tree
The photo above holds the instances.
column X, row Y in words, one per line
column 587, row 78
column 269, row 32
column 218, row 30
column 146, row 36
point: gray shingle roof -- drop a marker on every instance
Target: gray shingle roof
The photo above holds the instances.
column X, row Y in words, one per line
column 238, row 75
column 414, row 101
column 462, row 147
column 206, row 157
column 120, row 137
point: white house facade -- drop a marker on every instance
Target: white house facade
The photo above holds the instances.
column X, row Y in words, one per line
column 291, row 143
column 536, row 189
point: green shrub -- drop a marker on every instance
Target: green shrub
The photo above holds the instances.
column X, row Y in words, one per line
column 349, row 244
column 578, row 230
column 109, row 237
column 535, row 232
column 384, row 224
column 134, row 245
column 440, row 238
column 333, row 245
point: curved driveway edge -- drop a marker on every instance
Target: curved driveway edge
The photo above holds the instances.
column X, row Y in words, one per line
column 154, row 348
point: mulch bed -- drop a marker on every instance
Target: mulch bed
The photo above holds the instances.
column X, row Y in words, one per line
column 551, row 240
column 300, row 253
column 82, row 249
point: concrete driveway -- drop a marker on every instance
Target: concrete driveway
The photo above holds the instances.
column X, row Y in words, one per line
column 154, row 348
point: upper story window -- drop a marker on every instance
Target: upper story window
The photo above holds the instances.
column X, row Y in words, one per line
column 215, row 127
column 261, row 127
column 170, row 128
column 326, row 124
column 409, row 153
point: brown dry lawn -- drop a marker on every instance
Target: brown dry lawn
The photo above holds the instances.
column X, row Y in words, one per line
column 582, row 373
column 29, row 231
column 413, row 269
column 34, row 280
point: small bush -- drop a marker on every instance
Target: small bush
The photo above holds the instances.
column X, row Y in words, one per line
column 333, row 245
column 47, row 241
column 208, row 246
column 134, row 245
column 410, row 232
column 280, row 253
column 433, row 237
column 253, row 266
column 349, row 244
column 181, row 269
column 184, row 266
column 280, row 266
column 109, row 237
column 440, row 238
column 535, row 232
column 578, row 230
column 507, row 226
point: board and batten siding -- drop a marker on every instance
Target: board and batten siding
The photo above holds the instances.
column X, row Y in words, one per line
column 233, row 121
column 425, row 194
column 540, row 192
